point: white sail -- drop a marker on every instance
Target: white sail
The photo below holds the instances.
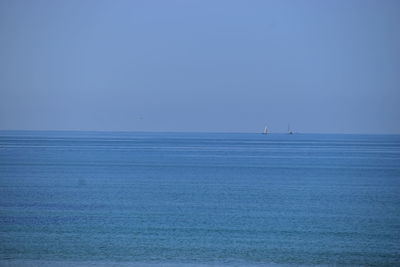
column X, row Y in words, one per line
column 265, row 130
column 288, row 129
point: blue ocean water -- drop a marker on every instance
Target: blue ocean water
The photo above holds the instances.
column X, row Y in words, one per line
column 192, row 199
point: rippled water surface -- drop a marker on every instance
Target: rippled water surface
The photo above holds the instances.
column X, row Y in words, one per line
column 198, row 199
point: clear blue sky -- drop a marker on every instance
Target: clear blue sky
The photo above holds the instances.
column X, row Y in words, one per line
column 230, row 66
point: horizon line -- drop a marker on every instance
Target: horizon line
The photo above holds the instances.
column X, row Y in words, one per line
column 199, row 132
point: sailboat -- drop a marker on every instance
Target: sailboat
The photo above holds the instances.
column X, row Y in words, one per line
column 265, row 130
column 288, row 130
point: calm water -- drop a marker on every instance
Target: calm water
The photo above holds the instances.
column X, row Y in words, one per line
column 180, row 199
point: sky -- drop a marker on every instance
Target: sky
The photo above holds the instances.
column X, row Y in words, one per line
column 200, row 65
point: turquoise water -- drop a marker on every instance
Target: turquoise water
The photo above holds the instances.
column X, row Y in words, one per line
column 193, row 199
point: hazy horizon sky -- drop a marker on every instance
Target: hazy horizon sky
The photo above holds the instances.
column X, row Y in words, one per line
column 207, row 66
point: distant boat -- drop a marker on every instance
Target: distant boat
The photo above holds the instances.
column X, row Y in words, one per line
column 288, row 130
column 265, row 130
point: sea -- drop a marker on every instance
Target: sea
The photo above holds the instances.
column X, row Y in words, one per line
column 198, row 199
